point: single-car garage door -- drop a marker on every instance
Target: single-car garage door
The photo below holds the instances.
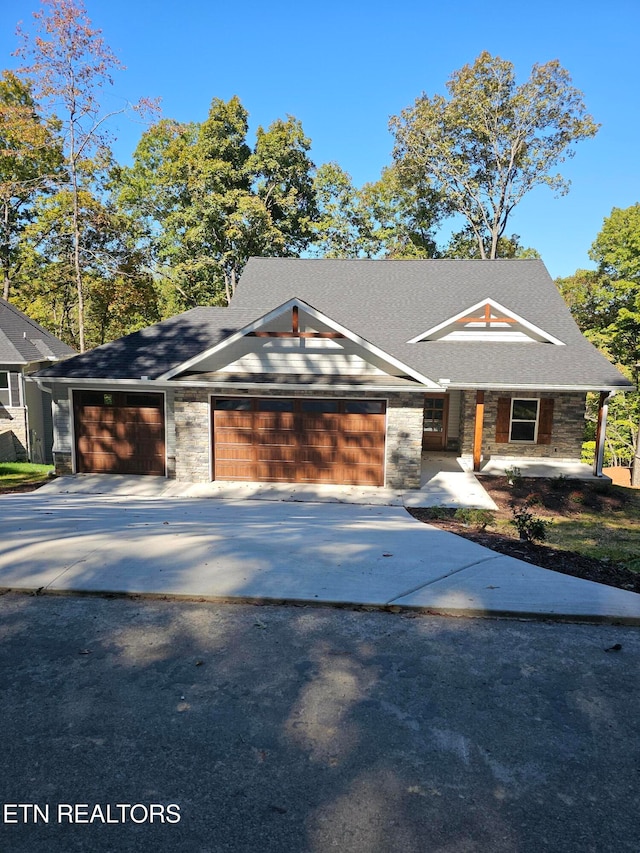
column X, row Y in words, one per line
column 299, row 440
column 119, row 432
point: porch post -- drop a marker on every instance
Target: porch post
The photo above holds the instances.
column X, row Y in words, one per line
column 601, row 429
column 477, row 432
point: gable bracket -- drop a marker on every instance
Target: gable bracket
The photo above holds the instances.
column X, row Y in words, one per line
column 295, row 331
column 487, row 318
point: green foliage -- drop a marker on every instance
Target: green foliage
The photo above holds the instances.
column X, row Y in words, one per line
column 513, row 475
column 491, row 141
column 203, row 201
column 30, row 163
column 464, row 244
column 472, row 517
column 530, row 527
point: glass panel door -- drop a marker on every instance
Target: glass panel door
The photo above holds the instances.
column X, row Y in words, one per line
column 434, row 435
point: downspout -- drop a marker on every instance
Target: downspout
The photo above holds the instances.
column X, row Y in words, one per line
column 603, row 411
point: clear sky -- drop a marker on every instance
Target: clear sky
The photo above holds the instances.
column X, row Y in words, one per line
column 343, row 67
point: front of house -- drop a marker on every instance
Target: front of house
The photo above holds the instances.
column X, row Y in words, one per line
column 341, row 372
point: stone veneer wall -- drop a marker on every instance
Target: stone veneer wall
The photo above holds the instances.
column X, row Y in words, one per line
column 193, row 433
column 405, row 418
column 566, row 437
column 14, row 418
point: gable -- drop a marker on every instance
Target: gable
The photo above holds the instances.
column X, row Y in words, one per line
column 487, row 321
column 295, row 339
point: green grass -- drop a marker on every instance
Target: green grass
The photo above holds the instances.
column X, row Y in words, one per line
column 14, row 475
column 612, row 535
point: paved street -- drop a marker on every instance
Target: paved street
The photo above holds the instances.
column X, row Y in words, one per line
column 291, row 728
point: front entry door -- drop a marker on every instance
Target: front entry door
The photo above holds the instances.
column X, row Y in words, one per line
column 434, row 435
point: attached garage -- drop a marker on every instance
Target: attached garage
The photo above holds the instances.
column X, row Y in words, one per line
column 119, row 432
column 298, row 440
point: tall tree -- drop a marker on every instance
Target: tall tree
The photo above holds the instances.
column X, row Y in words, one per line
column 606, row 305
column 30, row 161
column 383, row 219
column 206, row 201
column 70, row 64
column 492, row 141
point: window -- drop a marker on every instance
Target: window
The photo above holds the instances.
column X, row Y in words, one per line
column 233, row 404
column 326, row 407
column 524, row 420
column 5, row 392
column 364, row 407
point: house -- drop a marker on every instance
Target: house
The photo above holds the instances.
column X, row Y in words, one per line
column 338, row 371
column 26, row 430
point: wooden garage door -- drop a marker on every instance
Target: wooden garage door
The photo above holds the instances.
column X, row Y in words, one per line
column 119, row 432
column 299, row 441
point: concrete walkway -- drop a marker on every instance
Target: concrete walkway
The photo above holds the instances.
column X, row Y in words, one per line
column 245, row 549
column 444, row 483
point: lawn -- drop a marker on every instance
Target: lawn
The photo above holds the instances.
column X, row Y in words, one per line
column 592, row 530
column 593, row 519
column 22, row 476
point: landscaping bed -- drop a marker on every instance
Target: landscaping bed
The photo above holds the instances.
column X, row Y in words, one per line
column 593, row 529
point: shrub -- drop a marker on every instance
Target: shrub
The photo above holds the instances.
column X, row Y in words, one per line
column 530, row 527
column 479, row 518
column 513, row 475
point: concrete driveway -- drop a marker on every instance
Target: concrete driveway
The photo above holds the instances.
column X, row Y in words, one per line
column 279, row 551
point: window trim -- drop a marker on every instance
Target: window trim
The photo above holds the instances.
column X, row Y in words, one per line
column 513, row 420
column 11, row 404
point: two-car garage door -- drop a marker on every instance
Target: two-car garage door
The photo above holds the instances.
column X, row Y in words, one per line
column 299, row 440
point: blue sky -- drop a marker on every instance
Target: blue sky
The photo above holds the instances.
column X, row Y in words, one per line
column 343, row 68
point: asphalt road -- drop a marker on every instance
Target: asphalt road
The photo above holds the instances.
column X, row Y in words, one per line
column 312, row 729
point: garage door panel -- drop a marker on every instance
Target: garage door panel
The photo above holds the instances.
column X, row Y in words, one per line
column 276, row 454
column 124, row 435
column 287, row 439
column 234, row 471
column 300, row 440
column 275, row 472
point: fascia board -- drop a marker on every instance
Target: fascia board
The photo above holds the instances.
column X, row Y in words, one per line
column 498, row 307
column 537, row 386
column 262, row 387
column 317, row 315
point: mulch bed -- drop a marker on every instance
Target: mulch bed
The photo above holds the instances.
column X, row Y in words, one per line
column 552, row 498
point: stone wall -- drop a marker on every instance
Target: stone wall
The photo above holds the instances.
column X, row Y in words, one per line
column 192, row 447
column 192, row 412
column 566, row 437
column 14, row 418
column 63, row 462
column 405, row 416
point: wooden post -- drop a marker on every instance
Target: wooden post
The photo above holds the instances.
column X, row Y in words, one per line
column 477, row 433
column 601, row 429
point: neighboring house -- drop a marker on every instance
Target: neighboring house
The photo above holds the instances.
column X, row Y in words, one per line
column 26, row 430
column 338, row 371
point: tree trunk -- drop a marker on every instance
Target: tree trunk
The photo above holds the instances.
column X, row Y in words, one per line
column 76, row 263
column 635, row 465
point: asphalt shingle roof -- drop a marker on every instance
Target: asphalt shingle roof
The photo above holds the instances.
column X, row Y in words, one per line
column 23, row 341
column 386, row 303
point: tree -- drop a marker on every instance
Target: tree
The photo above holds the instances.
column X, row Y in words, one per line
column 206, row 201
column 606, row 305
column 383, row 219
column 119, row 293
column 30, row 161
column 70, row 64
column 463, row 244
column 491, row 141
